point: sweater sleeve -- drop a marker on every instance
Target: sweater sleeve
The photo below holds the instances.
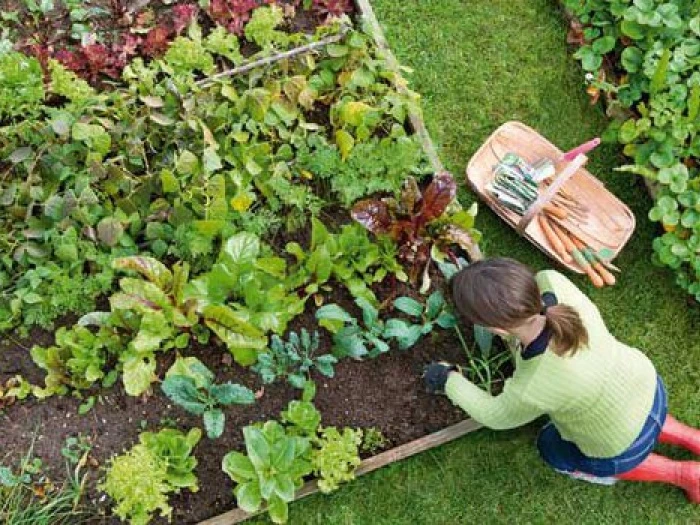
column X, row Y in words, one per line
column 507, row 410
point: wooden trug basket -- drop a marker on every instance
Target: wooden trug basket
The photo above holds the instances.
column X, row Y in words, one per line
column 610, row 222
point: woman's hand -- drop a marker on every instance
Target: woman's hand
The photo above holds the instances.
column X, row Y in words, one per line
column 435, row 376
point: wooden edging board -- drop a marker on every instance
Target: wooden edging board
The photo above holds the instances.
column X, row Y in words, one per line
column 431, row 440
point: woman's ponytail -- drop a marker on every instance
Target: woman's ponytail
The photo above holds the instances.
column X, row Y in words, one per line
column 503, row 293
column 568, row 332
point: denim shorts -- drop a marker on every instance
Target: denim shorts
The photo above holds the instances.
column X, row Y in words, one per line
column 565, row 456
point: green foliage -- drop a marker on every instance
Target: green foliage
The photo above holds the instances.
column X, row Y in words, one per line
column 273, row 469
column 21, row 86
column 190, row 384
column 378, row 165
column 136, row 482
column 261, row 27
column 77, row 360
column 174, row 450
column 434, row 312
column 336, row 456
column 350, row 338
column 140, row 480
column 655, row 92
column 348, row 256
column 293, row 359
column 279, row 456
column 373, row 440
column 28, row 495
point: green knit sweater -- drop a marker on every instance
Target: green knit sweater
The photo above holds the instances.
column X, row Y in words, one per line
column 599, row 398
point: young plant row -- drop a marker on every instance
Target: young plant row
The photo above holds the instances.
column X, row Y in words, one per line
column 279, row 456
column 645, row 56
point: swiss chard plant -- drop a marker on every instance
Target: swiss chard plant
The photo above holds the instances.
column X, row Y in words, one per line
column 190, row 384
column 293, row 359
column 77, row 360
column 418, row 219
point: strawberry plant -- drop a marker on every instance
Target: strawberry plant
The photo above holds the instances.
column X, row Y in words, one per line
column 190, row 384
column 651, row 84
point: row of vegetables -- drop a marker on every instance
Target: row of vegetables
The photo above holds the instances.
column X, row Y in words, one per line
column 179, row 208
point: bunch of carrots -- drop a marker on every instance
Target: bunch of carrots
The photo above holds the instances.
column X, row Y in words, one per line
column 572, row 249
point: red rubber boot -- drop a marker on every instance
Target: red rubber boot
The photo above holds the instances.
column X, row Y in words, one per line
column 683, row 474
column 676, row 433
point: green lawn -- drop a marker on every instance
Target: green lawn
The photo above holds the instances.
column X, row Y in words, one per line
column 479, row 63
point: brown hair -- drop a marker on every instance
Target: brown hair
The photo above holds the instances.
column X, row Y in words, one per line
column 503, row 293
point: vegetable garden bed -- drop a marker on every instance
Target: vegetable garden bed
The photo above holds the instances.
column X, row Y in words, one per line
column 181, row 164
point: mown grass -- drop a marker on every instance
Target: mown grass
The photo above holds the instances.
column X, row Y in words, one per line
column 479, row 63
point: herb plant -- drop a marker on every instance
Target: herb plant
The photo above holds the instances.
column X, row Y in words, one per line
column 190, row 384
column 293, row 359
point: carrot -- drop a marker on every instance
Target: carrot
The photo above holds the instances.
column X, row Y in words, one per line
column 553, row 239
column 555, row 211
column 588, row 253
column 578, row 256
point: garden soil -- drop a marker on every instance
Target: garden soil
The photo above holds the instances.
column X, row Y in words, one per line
column 386, row 393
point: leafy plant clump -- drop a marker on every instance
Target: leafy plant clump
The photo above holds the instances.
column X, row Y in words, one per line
column 351, row 339
column 423, row 319
column 293, row 359
column 336, row 457
column 141, row 480
column 419, row 219
column 280, row 455
column 190, row 384
column 652, row 90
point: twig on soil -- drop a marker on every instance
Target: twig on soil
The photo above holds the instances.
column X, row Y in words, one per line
column 275, row 58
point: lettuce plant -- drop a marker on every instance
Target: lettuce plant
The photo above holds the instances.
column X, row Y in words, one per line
column 336, row 456
column 141, row 480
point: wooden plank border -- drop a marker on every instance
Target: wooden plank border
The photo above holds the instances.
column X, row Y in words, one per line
column 429, row 441
column 368, row 465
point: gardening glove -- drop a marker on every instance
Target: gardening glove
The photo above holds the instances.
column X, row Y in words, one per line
column 435, row 376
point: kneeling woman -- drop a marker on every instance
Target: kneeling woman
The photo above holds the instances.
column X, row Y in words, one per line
column 606, row 403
